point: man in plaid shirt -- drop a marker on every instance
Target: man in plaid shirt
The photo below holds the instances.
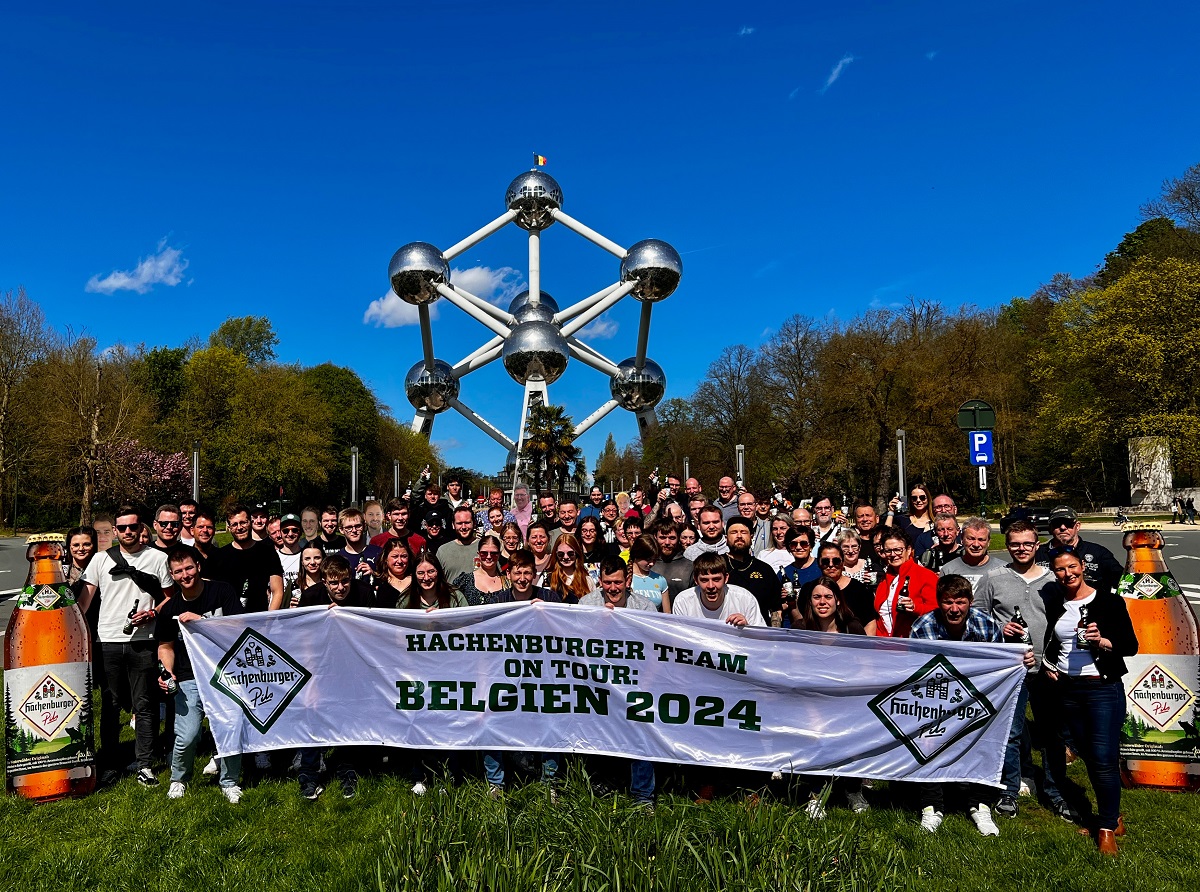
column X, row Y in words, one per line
column 956, row 620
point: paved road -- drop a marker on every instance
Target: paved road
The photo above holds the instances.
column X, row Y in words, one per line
column 1182, row 552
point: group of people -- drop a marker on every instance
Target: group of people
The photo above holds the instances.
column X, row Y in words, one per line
column 916, row 571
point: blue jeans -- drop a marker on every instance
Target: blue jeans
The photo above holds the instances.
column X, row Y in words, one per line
column 641, row 780
column 1094, row 712
column 1012, row 753
column 1045, row 701
column 493, row 767
column 189, row 716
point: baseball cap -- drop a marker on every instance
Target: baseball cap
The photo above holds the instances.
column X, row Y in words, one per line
column 289, row 520
column 1063, row 512
column 434, row 519
column 738, row 521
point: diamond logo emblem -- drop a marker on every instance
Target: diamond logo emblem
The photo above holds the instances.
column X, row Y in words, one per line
column 934, row 707
column 1159, row 696
column 260, row 677
column 1148, row 586
column 46, row 596
column 49, row 706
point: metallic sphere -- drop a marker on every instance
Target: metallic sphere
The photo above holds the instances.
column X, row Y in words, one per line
column 655, row 266
column 535, row 350
column 415, row 270
column 638, row 391
column 533, row 195
column 543, row 312
column 431, row 390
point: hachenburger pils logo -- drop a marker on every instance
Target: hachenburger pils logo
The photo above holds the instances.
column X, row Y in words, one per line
column 933, row 708
column 260, row 677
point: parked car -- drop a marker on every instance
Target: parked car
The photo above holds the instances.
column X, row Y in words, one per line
column 1039, row 516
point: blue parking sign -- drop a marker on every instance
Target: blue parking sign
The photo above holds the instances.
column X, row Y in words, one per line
column 982, row 452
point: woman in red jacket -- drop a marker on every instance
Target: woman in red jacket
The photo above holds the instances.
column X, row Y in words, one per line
column 896, row 609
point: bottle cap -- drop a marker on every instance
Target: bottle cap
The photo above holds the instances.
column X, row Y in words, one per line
column 46, row 537
column 1135, row 525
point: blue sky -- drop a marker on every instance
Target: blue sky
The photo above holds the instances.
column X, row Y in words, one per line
column 166, row 167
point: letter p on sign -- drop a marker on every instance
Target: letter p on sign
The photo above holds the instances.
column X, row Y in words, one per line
column 982, row 451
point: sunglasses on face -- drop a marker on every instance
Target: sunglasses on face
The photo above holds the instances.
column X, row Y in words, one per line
column 488, row 555
column 170, row 524
column 567, row 555
column 831, row 562
column 126, row 527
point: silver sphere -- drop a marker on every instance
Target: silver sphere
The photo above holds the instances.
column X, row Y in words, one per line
column 543, row 312
column 533, row 195
column 431, row 390
column 638, row 391
column 535, row 350
column 415, row 270
column 655, row 266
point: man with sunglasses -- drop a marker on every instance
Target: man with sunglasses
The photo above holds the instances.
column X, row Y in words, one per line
column 127, row 659
column 754, row 575
column 1101, row 570
column 168, row 524
column 1023, row 585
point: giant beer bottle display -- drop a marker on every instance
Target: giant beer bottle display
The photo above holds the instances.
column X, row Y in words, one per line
column 49, row 747
column 1159, row 743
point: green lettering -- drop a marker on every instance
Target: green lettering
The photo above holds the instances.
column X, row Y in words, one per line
column 411, row 696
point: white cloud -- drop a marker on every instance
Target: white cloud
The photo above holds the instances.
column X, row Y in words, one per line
column 837, row 71
column 449, row 444
column 390, row 311
column 746, row 31
column 600, row 329
column 497, row 286
column 931, row 55
column 162, row 268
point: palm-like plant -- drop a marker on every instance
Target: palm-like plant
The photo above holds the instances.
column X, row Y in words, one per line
column 549, row 451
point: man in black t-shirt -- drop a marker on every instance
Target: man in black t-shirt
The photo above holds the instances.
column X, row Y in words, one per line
column 252, row 568
column 196, row 599
column 757, row 577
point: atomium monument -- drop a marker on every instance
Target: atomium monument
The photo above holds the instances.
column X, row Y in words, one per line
column 534, row 338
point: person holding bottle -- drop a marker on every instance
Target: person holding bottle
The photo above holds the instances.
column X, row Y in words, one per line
column 1088, row 635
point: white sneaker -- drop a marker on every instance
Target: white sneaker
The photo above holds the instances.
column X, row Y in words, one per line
column 858, row 802
column 262, row 760
column 815, row 810
column 776, row 775
column 982, row 816
column 930, row 820
column 1026, row 787
column 233, row 794
column 176, row 790
column 495, row 792
column 419, row 789
column 211, row 769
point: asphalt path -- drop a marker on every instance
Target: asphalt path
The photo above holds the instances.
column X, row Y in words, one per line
column 1182, row 552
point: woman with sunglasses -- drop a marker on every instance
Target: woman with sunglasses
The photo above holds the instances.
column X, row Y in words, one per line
column 396, row 573
column 852, row 594
column 568, row 578
column 906, row 591
column 919, row 516
column 482, row 585
column 1085, row 664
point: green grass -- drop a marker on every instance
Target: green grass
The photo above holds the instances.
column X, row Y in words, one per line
column 130, row 838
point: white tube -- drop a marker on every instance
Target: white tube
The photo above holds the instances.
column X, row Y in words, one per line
column 576, row 308
column 595, row 417
column 479, row 235
column 476, row 362
column 590, row 234
column 467, row 303
column 597, row 309
column 535, row 268
column 480, row 423
column 590, row 358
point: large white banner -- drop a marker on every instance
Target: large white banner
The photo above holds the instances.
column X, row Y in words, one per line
column 615, row 682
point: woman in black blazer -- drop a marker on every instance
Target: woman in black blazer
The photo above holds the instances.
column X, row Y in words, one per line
column 1087, row 663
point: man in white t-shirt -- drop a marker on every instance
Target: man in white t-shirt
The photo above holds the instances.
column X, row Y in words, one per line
column 290, row 530
column 713, row 597
column 133, row 580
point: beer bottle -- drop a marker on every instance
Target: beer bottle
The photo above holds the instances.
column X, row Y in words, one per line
column 1020, row 621
column 1081, row 633
column 1159, row 743
column 48, row 734
column 172, row 684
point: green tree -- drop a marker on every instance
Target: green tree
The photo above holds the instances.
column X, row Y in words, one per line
column 1157, row 238
column 354, row 420
column 160, row 374
column 249, row 336
column 25, row 340
column 397, row 442
column 549, row 450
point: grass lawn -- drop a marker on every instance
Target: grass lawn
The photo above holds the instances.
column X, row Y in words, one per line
column 130, row 838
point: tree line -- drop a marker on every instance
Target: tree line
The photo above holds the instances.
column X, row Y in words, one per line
column 83, row 428
column 1073, row 370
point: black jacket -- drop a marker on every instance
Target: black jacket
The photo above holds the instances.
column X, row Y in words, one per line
column 1111, row 617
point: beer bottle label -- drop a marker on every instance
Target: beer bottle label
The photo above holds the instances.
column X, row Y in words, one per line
column 1148, row 586
column 46, row 596
column 47, row 717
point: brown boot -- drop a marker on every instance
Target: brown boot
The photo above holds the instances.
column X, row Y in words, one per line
column 1120, row 831
column 1106, row 841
